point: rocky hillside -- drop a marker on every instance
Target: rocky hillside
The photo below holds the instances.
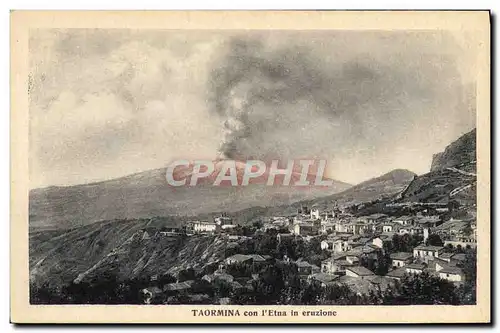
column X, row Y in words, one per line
column 127, row 248
column 460, row 153
column 385, row 186
column 452, row 175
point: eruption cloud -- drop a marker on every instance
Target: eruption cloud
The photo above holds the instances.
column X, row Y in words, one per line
column 284, row 102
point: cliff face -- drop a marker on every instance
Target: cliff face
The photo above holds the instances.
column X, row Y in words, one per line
column 461, row 152
column 452, row 175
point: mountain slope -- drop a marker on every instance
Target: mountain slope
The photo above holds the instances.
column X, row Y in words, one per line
column 452, row 175
column 460, row 152
column 147, row 194
column 383, row 186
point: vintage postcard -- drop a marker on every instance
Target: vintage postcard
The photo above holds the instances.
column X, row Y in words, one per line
column 250, row 167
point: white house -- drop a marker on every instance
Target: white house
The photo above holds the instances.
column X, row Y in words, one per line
column 429, row 221
column 228, row 227
column 315, row 214
column 427, row 252
column 205, row 227
column 352, row 259
column 327, row 227
column 335, row 265
column 335, row 245
column 360, row 228
column 381, row 240
column 328, row 266
column 404, row 220
column 378, row 242
column 223, row 220
column 358, row 271
column 387, row 228
column 341, row 226
column 415, row 268
column 400, row 259
column 327, row 245
column 416, row 231
column 453, row 274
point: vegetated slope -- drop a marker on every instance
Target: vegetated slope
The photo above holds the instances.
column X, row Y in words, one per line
column 384, row 186
column 441, row 186
column 119, row 247
column 147, row 194
column 452, row 175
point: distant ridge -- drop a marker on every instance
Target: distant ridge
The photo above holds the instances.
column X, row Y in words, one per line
column 147, row 194
column 386, row 185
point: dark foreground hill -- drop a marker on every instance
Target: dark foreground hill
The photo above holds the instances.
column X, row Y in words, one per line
column 118, row 247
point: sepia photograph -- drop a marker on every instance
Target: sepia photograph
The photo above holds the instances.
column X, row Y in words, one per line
column 288, row 173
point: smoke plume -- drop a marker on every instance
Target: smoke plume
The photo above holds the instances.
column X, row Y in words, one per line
column 289, row 102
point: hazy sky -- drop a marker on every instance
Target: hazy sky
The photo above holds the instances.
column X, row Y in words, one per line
column 107, row 103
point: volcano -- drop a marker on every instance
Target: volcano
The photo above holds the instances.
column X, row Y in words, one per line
column 147, row 194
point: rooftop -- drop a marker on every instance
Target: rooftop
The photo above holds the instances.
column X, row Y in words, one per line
column 257, row 257
column 459, row 257
column 428, row 247
column 376, row 216
column 153, row 289
column 338, row 256
column 428, row 219
column 344, row 263
column 331, row 259
column 302, row 263
column 322, row 277
column 239, row 257
column 397, row 273
column 403, row 218
column 382, row 281
column 360, row 270
column 415, row 265
column 401, row 256
column 178, row 286
column 446, row 255
column 451, row 270
column 359, row 286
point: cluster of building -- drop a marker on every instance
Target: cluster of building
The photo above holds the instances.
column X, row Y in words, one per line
column 351, row 242
column 313, row 222
column 220, row 223
column 352, row 239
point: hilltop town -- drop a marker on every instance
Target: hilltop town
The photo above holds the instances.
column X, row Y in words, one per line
column 368, row 254
column 404, row 242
